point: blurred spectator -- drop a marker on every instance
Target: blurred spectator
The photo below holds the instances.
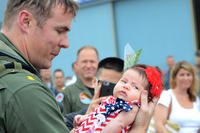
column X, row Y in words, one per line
column 110, row 69
column 59, row 80
column 170, row 62
column 79, row 95
column 180, row 103
column 47, row 79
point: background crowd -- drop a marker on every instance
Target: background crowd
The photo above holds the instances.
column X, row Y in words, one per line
column 179, row 98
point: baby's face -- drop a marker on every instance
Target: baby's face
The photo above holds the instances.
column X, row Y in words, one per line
column 130, row 86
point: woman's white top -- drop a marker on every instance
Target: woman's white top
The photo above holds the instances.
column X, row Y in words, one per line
column 187, row 118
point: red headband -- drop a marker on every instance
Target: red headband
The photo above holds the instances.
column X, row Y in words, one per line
column 154, row 78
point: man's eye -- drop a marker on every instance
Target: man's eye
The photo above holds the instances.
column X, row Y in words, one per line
column 60, row 31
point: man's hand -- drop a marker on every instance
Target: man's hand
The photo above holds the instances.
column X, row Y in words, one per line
column 144, row 114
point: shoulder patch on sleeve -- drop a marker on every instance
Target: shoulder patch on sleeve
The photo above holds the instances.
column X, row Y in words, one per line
column 60, row 97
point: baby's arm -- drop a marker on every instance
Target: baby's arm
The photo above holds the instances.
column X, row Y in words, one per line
column 121, row 121
column 96, row 100
column 78, row 119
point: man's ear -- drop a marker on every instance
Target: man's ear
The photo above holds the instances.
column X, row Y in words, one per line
column 24, row 20
column 76, row 65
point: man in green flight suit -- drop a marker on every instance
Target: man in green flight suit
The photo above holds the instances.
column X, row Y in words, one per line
column 33, row 33
column 78, row 95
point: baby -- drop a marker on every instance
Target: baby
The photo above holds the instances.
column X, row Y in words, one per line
column 126, row 93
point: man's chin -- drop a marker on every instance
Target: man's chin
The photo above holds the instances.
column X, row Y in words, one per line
column 89, row 77
column 44, row 66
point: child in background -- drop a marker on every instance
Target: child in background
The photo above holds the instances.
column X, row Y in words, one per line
column 126, row 93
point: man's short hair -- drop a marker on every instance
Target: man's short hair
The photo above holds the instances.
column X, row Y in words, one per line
column 113, row 63
column 87, row 47
column 41, row 9
column 58, row 70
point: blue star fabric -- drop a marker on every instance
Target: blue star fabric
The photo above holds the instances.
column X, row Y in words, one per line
column 119, row 104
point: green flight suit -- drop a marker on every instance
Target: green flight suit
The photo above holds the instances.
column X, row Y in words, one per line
column 26, row 104
column 76, row 97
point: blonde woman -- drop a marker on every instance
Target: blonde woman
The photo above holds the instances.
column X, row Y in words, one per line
column 180, row 103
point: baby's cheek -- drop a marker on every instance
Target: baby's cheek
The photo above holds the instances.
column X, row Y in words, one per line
column 134, row 96
column 119, row 84
column 114, row 93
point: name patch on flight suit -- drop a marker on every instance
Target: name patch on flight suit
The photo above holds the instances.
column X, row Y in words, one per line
column 85, row 98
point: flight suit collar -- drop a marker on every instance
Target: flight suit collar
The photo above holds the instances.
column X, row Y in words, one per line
column 80, row 84
column 11, row 50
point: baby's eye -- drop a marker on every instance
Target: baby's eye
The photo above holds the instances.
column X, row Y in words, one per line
column 135, row 87
column 123, row 81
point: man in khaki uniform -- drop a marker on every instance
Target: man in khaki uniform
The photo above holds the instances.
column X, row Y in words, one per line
column 78, row 95
column 33, row 33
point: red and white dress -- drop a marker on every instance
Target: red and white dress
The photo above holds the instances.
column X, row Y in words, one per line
column 94, row 122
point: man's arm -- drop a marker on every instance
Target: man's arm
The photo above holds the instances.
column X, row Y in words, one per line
column 66, row 101
column 33, row 109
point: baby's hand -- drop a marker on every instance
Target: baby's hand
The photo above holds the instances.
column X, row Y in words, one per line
column 127, row 118
column 96, row 100
column 94, row 104
column 78, row 119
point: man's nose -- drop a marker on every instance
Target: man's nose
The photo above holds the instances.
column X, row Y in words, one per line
column 88, row 64
column 64, row 42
